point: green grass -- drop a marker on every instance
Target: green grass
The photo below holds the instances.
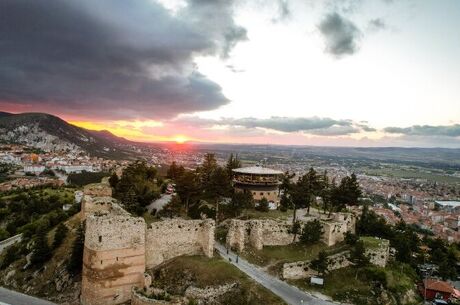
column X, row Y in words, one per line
column 351, row 285
column 176, row 275
column 290, row 253
column 149, row 218
column 371, row 242
column 272, row 214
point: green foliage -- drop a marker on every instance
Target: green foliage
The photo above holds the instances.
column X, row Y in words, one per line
column 10, row 254
column 60, row 235
column 4, row 234
column 351, row 239
column 172, row 208
column 263, row 205
column 175, row 171
column 321, row 263
column 113, row 180
column 188, row 188
column 137, row 187
column 358, row 255
column 232, row 163
column 75, row 262
column 41, row 251
column 312, row 232
column 239, row 202
column 85, row 178
column 285, row 202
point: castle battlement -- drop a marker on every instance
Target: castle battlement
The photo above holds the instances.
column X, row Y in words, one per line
column 119, row 247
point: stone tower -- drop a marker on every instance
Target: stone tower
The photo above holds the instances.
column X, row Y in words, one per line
column 114, row 257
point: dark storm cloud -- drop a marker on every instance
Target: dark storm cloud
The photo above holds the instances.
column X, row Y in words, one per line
column 216, row 18
column 427, row 130
column 111, row 59
column 341, row 35
column 308, row 125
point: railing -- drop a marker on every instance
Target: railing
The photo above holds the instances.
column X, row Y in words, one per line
column 256, row 182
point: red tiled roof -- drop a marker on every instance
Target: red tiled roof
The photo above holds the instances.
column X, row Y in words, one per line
column 438, row 285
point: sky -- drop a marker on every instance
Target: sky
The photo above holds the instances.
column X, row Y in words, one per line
column 302, row 72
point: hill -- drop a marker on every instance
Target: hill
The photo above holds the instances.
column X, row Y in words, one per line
column 50, row 133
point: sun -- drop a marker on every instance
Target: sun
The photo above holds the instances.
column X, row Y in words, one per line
column 180, row 139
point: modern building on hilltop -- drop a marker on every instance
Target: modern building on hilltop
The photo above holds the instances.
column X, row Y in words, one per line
column 259, row 181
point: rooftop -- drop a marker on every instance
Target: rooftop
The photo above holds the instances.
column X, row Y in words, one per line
column 258, row 170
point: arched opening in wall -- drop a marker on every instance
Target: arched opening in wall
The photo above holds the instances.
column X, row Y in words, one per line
column 100, row 238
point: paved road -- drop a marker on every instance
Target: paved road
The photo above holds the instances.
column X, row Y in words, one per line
column 159, row 203
column 9, row 241
column 9, row 297
column 290, row 294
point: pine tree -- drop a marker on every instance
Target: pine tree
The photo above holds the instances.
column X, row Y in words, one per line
column 232, row 163
column 41, row 251
column 358, row 255
column 76, row 258
column 321, row 263
column 312, row 232
column 60, row 235
column 263, row 205
column 113, row 180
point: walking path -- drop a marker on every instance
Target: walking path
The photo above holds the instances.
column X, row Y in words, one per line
column 159, row 203
column 290, row 294
column 9, row 297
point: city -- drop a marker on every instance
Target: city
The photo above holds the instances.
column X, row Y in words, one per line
column 229, row 152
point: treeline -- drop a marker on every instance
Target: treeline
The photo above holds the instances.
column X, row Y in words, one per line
column 137, row 187
column 303, row 192
column 84, row 178
column 200, row 191
column 410, row 248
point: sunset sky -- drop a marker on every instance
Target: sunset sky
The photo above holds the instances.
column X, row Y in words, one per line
column 342, row 73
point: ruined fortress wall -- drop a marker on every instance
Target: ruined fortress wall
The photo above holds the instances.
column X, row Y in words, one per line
column 139, row 299
column 90, row 204
column 333, row 232
column 176, row 237
column 258, row 233
column 113, row 259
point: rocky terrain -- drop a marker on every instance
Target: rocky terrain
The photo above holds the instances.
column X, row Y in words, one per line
column 50, row 133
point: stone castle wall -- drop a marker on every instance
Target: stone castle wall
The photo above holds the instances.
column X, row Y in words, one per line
column 118, row 247
column 378, row 256
column 139, row 299
column 96, row 197
column 176, row 237
column 335, row 228
column 258, row 233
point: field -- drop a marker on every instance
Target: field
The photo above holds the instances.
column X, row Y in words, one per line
column 412, row 173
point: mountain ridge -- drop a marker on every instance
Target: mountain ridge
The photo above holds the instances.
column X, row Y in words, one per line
column 51, row 133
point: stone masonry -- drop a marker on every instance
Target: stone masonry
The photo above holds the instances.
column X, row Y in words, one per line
column 267, row 232
column 176, row 237
column 378, row 256
column 119, row 247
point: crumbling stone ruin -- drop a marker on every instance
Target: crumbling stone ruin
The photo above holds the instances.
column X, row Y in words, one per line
column 168, row 239
column 119, row 247
column 257, row 233
column 378, row 256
